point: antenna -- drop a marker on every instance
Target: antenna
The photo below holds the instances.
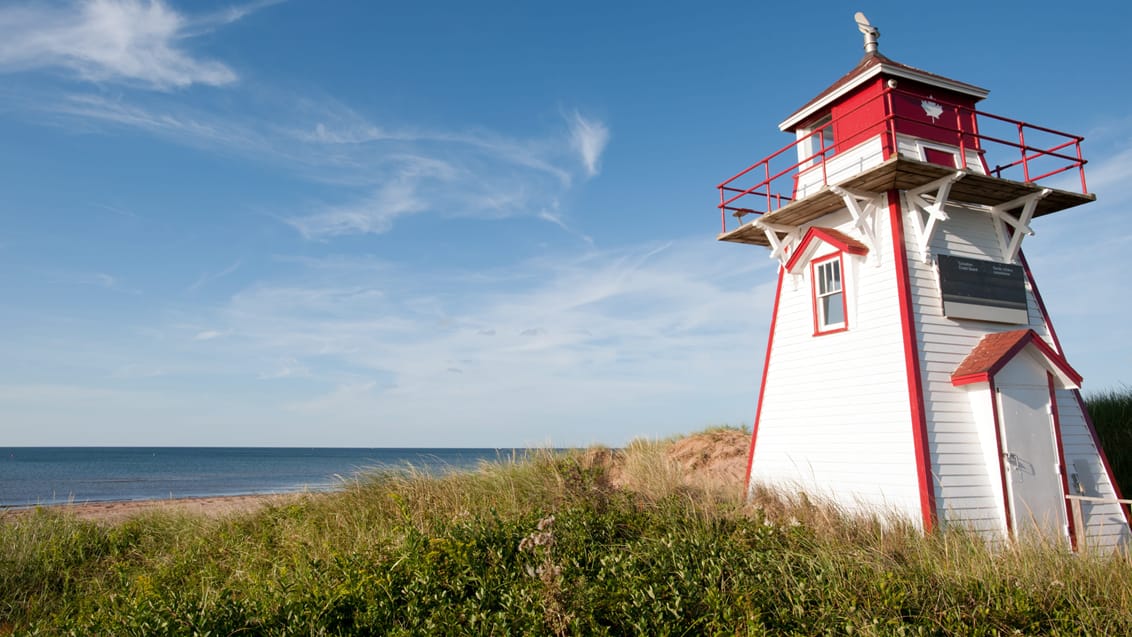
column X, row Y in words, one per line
column 870, row 32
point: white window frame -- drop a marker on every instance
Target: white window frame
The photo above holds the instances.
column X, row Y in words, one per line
column 812, row 142
column 822, row 324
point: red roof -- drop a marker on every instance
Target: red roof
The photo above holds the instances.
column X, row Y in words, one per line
column 994, row 351
column 835, row 238
column 873, row 60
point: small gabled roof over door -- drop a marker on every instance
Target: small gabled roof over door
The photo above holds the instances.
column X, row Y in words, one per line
column 994, row 351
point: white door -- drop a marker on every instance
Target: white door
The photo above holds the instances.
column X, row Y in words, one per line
column 1037, row 504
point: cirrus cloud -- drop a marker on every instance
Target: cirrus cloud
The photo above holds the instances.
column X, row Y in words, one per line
column 129, row 41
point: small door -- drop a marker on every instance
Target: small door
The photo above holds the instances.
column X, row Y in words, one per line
column 1033, row 470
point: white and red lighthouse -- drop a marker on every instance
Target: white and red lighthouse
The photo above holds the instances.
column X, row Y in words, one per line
column 911, row 367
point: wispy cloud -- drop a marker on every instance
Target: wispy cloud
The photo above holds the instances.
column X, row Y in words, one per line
column 116, row 210
column 370, row 174
column 123, row 41
column 378, row 174
column 399, row 196
column 556, row 219
column 175, row 124
column 208, row 277
column 610, row 329
column 96, row 279
column 588, row 137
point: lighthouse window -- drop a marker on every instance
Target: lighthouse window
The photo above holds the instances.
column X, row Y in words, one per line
column 821, row 141
column 829, row 296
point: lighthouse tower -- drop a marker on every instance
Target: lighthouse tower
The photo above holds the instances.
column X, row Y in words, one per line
column 911, row 367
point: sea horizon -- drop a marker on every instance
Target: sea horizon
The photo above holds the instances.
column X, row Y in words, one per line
column 46, row 476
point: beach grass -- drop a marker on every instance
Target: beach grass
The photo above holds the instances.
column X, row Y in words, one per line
column 1111, row 413
column 587, row 542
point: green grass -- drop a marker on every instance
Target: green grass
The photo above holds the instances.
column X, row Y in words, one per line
column 544, row 546
column 1111, row 412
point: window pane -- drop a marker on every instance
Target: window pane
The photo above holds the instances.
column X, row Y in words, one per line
column 833, row 309
column 828, row 277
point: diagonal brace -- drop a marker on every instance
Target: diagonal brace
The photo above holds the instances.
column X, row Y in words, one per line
column 935, row 210
column 779, row 245
column 862, row 207
column 1019, row 226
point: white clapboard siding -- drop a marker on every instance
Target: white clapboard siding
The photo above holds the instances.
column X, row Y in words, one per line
column 1105, row 525
column 967, row 485
column 834, row 419
column 840, row 167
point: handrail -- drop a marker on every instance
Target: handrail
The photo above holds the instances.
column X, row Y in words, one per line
column 1080, row 535
column 1093, row 498
column 775, row 183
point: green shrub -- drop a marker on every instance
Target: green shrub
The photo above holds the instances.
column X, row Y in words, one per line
column 542, row 546
column 1111, row 413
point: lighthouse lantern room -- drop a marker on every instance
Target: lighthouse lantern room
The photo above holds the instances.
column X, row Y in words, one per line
column 911, row 367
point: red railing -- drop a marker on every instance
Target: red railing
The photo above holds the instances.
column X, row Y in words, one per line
column 1039, row 153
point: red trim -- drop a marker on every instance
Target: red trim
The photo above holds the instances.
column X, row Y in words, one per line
column 1076, row 392
column 770, row 184
column 762, row 385
column 818, row 331
column 837, row 239
column 1041, row 304
column 912, row 365
column 1061, row 460
column 983, row 362
column 1001, row 464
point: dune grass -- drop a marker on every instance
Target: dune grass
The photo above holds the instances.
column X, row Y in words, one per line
column 546, row 545
column 1111, row 413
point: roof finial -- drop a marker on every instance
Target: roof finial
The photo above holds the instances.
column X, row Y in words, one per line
column 871, row 33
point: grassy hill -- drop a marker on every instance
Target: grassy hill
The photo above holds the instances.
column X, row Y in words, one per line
column 655, row 539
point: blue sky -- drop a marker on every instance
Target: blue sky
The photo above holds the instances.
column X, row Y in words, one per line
column 460, row 224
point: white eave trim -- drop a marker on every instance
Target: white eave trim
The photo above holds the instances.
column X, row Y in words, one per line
column 958, row 87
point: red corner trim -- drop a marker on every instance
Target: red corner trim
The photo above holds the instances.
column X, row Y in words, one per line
column 762, row 385
column 912, row 365
column 1041, row 304
column 835, row 238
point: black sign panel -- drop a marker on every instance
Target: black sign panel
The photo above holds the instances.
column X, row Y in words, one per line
column 978, row 282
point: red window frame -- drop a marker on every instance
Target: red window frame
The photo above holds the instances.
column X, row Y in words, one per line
column 819, row 328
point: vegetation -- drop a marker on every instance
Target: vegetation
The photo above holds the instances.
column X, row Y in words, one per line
column 545, row 545
column 1111, row 412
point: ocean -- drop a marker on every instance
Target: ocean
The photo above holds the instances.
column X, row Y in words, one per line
column 31, row 476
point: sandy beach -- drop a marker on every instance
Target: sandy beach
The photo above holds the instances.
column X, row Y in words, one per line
column 116, row 511
column 711, row 457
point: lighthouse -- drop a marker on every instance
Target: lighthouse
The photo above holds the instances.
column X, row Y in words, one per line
column 911, row 367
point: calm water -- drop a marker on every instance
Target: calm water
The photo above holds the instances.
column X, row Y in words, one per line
column 54, row 475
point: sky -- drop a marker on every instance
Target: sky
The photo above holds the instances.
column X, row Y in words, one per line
column 475, row 224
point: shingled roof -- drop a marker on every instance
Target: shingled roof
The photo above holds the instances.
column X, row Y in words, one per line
column 873, row 64
column 994, row 351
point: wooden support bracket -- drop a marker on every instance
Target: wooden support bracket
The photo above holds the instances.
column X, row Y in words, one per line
column 934, row 209
column 862, row 207
column 781, row 239
column 1010, row 238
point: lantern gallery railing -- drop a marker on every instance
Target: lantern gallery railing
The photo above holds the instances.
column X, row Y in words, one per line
column 915, row 126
